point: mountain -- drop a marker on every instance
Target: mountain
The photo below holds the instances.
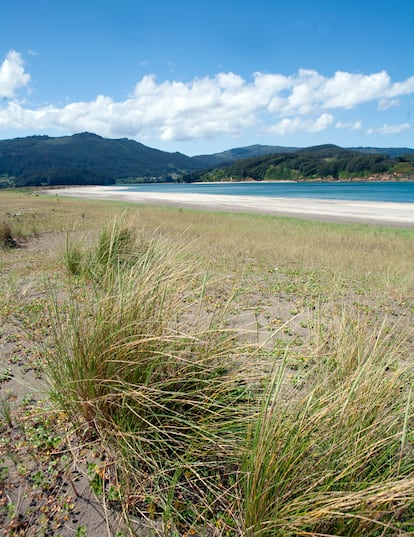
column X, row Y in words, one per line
column 251, row 151
column 390, row 151
column 324, row 161
column 90, row 159
column 231, row 155
column 85, row 159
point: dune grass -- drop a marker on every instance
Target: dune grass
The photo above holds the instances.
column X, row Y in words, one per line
column 371, row 259
column 134, row 364
column 208, row 452
column 202, row 434
column 337, row 458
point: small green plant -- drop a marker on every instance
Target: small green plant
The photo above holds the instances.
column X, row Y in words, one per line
column 96, row 479
column 39, row 479
column 81, row 532
column 4, row 470
column 5, row 412
column 11, row 509
column 5, row 375
column 42, row 437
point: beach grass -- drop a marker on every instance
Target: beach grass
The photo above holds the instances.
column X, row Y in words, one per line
column 158, row 383
column 241, row 374
column 330, row 460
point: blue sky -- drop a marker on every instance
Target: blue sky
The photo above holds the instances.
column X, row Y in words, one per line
column 204, row 76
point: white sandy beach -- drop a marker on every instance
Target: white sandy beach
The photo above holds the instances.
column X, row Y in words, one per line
column 383, row 213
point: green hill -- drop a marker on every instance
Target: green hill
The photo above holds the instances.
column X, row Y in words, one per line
column 231, row 155
column 90, row 159
column 84, row 159
column 325, row 161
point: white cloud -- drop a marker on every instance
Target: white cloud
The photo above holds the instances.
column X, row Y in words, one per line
column 352, row 125
column 224, row 104
column 384, row 104
column 347, row 90
column 401, row 88
column 297, row 124
column 390, row 129
column 309, row 91
column 12, row 75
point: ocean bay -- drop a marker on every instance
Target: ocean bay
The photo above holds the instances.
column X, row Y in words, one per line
column 395, row 192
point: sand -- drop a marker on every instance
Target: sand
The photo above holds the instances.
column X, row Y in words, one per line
column 381, row 213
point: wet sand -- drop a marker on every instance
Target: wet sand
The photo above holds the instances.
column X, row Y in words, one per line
column 381, row 213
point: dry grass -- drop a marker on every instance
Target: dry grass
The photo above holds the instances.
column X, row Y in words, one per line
column 330, row 449
column 159, row 387
column 336, row 457
column 233, row 241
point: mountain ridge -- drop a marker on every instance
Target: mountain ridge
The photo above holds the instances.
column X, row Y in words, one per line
column 328, row 162
column 230, row 155
column 87, row 158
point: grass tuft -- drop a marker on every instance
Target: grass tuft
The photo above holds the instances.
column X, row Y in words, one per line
column 160, row 388
column 335, row 460
column 6, row 239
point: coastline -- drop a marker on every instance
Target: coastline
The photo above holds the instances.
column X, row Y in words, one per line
column 340, row 211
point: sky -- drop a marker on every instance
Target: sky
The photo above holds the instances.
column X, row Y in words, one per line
column 200, row 77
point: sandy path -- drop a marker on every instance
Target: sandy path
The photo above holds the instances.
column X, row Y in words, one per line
column 384, row 213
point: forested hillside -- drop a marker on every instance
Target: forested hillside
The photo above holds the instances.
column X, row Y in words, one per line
column 84, row 159
column 88, row 159
column 326, row 161
column 231, row 155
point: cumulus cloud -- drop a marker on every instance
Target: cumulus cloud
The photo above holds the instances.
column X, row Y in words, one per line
column 12, row 74
column 309, row 91
column 347, row 90
column 297, row 124
column 390, row 129
column 224, row 104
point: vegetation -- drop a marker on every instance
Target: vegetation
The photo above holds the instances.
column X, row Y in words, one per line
column 286, row 410
column 88, row 159
column 321, row 463
column 6, row 239
column 83, row 159
column 164, row 393
column 327, row 161
column 230, row 156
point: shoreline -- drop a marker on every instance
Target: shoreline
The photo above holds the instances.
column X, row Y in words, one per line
column 340, row 211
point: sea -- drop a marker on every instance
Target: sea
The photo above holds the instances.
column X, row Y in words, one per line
column 399, row 192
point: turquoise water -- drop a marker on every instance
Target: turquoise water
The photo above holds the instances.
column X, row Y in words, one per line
column 369, row 191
